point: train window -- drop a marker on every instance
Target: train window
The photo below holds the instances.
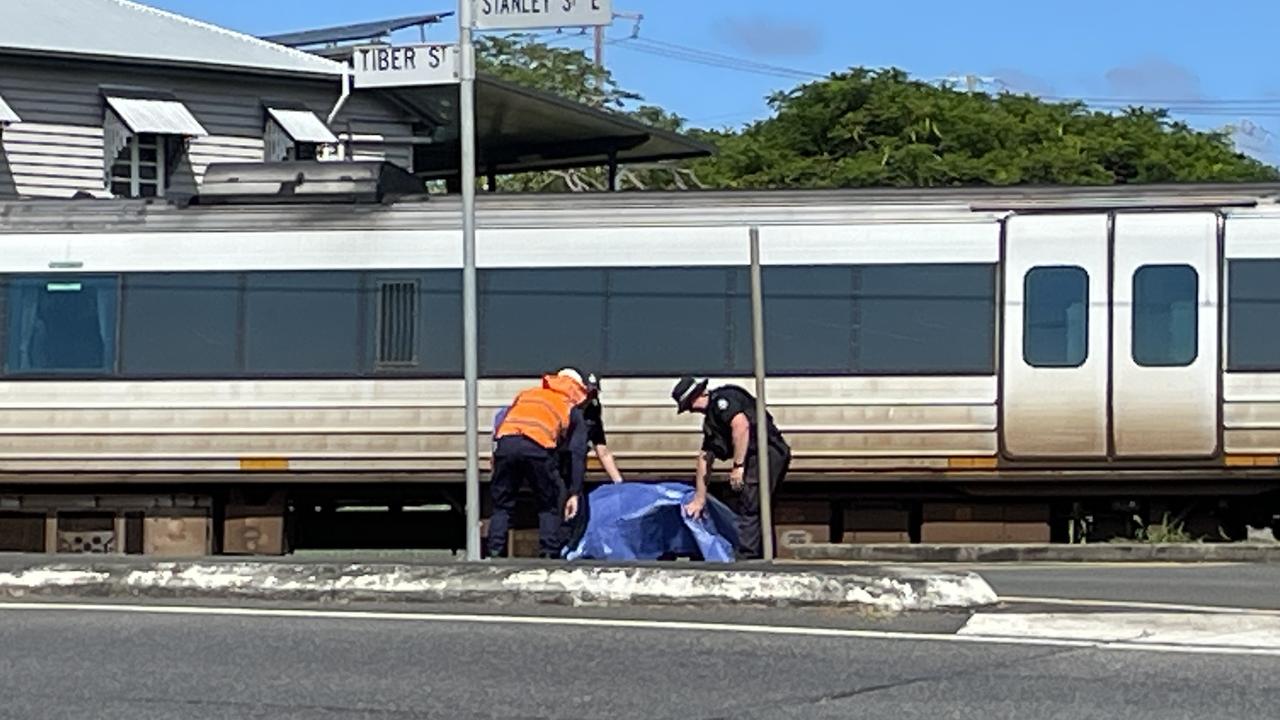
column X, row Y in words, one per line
column 1253, row 304
column 809, row 319
column 925, row 319
column 61, row 324
column 440, row 320
column 669, row 321
column 303, row 323
column 180, row 324
column 880, row 319
column 535, row 321
column 1165, row 318
column 397, row 344
column 1056, row 317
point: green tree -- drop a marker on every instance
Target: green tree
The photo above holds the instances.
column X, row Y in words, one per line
column 566, row 72
column 866, row 128
column 570, row 74
column 880, row 128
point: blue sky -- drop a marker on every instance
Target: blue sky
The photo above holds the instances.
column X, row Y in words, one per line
column 1214, row 63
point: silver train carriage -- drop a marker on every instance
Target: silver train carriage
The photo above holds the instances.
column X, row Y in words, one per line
column 1056, row 343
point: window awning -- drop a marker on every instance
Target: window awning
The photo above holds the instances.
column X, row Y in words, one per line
column 7, row 115
column 302, row 126
column 159, row 117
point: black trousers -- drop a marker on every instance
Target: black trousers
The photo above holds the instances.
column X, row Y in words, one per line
column 519, row 461
column 750, row 537
column 573, row 530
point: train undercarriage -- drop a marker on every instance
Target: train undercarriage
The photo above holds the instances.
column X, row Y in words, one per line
column 225, row 516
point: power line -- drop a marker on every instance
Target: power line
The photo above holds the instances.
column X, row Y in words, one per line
column 1181, row 102
column 1212, row 107
column 727, row 115
column 727, row 58
column 684, row 53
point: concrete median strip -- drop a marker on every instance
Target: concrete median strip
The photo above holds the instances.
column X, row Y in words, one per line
column 873, row 589
column 1101, row 552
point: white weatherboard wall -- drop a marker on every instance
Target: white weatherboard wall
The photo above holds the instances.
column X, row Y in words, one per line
column 58, row 148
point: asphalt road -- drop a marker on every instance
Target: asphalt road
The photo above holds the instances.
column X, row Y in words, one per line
column 91, row 664
column 1254, row 586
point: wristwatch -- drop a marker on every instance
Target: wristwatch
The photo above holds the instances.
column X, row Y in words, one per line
column 738, row 465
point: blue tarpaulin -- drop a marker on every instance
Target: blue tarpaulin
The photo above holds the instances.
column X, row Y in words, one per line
column 642, row 521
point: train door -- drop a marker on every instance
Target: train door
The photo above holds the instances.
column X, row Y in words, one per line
column 1164, row 397
column 1054, row 391
column 1110, row 336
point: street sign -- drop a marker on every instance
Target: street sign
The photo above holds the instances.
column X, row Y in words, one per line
column 405, row 65
column 535, row 14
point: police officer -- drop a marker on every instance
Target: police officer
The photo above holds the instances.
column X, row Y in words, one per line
column 593, row 416
column 729, row 433
column 542, row 423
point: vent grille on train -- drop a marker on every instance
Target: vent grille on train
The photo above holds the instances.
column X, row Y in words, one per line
column 397, row 323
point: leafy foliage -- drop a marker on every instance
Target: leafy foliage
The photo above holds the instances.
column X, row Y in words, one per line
column 569, row 73
column 864, row 128
column 1162, row 533
column 880, row 128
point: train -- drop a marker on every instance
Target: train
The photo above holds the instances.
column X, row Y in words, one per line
column 259, row 368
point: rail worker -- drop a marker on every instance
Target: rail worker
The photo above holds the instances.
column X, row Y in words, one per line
column 729, row 433
column 540, row 424
column 593, row 415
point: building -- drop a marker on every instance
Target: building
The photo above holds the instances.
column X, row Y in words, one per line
column 114, row 98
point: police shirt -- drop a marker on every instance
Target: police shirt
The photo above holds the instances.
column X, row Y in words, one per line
column 573, row 458
column 723, row 405
column 593, row 414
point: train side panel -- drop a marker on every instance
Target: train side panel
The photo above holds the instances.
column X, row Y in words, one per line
column 1251, row 384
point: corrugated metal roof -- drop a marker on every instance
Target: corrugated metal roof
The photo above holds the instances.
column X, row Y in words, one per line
column 160, row 117
column 121, row 29
column 7, row 115
column 302, row 126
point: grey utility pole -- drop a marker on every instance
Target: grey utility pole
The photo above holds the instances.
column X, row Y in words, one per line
column 470, row 368
column 762, row 414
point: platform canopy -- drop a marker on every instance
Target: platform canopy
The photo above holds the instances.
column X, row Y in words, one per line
column 523, row 130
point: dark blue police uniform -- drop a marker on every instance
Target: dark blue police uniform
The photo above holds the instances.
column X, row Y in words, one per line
column 723, row 405
column 593, row 421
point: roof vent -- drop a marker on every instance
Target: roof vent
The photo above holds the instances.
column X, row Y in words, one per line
column 307, row 182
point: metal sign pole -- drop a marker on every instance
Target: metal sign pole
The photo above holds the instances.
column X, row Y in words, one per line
column 470, row 370
column 762, row 417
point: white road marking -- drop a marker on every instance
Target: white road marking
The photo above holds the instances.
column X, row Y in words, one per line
column 1032, row 565
column 746, row 629
column 1135, row 605
column 1179, row 629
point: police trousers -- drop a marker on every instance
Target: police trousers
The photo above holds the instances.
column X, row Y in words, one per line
column 574, row 528
column 519, row 461
column 750, row 537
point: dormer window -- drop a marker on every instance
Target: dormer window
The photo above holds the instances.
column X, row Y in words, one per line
column 295, row 134
column 142, row 138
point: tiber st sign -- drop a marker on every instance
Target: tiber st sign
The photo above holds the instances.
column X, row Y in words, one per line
column 405, row 65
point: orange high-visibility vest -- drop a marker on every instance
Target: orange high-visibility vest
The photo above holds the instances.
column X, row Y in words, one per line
column 540, row 414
